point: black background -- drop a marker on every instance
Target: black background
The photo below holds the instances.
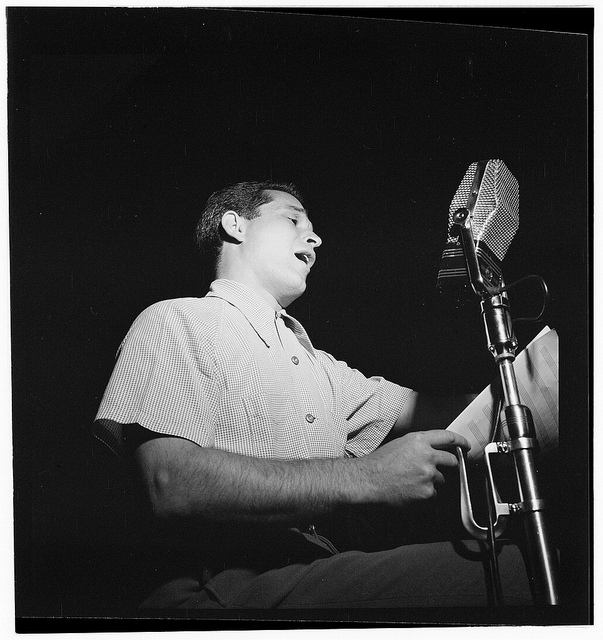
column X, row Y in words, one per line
column 123, row 121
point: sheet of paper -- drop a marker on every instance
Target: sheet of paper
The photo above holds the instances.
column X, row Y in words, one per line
column 537, row 373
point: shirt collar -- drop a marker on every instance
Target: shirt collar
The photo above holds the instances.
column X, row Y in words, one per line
column 260, row 315
column 298, row 330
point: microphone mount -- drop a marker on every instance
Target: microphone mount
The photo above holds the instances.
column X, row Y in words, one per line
column 483, row 279
column 495, row 304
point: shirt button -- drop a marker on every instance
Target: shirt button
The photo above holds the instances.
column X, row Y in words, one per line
column 310, row 418
column 295, row 360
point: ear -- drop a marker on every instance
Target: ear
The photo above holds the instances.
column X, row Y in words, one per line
column 231, row 224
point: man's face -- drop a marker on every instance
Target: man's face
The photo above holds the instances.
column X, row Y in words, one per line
column 278, row 249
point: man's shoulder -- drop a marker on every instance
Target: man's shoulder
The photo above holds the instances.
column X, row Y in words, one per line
column 185, row 304
column 183, row 311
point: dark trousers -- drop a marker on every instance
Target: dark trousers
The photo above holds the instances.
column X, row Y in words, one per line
column 438, row 574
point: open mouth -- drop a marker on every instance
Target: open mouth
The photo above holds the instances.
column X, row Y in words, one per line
column 304, row 257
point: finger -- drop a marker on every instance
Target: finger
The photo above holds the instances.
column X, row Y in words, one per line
column 438, row 478
column 447, row 438
column 446, row 459
column 459, row 440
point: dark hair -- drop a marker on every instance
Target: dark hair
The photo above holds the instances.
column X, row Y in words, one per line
column 245, row 198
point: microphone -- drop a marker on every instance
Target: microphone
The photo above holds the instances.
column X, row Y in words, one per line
column 487, row 204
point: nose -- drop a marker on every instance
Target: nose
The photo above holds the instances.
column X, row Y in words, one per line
column 313, row 239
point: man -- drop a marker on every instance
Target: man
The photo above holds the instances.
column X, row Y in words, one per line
column 249, row 443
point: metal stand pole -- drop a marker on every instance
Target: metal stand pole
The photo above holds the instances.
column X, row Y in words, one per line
column 522, row 444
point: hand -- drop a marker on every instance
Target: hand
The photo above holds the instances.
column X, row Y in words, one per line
column 408, row 468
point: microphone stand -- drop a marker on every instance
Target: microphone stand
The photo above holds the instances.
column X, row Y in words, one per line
column 523, row 443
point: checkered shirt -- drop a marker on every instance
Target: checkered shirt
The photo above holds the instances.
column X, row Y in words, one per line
column 227, row 371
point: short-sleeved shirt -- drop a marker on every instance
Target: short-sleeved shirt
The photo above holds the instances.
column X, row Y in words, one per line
column 227, row 371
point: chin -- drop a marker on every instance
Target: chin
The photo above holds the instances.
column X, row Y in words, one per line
column 292, row 295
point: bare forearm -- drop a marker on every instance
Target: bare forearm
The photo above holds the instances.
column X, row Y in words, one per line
column 218, row 485
column 285, row 491
column 182, row 479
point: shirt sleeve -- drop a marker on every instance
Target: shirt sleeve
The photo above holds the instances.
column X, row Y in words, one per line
column 370, row 405
column 164, row 379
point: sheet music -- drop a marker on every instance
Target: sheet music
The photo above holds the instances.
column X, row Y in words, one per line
column 537, row 373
